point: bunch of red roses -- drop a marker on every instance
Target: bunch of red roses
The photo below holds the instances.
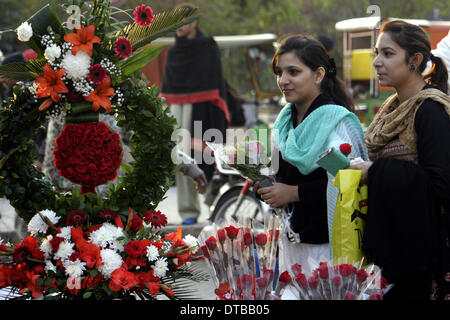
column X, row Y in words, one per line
column 106, row 260
column 235, row 252
column 88, row 153
column 337, row 282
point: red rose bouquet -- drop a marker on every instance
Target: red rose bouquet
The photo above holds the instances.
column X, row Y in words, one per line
column 340, row 282
column 232, row 250
column 88, row 153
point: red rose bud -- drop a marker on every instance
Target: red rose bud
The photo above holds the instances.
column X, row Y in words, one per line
column 285, row 278
column 375, row 297
column 232, row 232
column 268, row 274
column 261, row 282
column 261, row 239
column 323, row 270
column 336, row 281
column 221, row 235
column 211, row 243
column 247, row 238
column 346, row 270
column 205, row 251
column 345, row 148
column 296, row 269
column 313, row 282
column 361, row 276
column 247, row 279
column 350, row 296
column 301, row 280
column 274, row 234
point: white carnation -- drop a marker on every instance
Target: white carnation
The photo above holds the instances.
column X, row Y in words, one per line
column 49, row 266
column 107, row 235
column 37, row 225
column 65, row 233
column 65, row 250
column 152, row 253
column 52, row 52
column 191, row 242
column 160, row 267
column 46, row 247
column 74, row 269
column 77, row 66
column 24, row 32
column 111, row 261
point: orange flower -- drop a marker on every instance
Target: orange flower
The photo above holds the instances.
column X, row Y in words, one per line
column 99, row 97
column 174, row 236
column 50, row 85
column 83, row 40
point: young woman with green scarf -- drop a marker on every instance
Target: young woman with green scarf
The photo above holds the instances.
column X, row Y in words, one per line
column 318, row 116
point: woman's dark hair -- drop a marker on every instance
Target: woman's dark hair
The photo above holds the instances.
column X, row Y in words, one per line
column 312, row 53
column 413, row 39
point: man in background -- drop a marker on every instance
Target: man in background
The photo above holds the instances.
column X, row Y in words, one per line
column 194, row 88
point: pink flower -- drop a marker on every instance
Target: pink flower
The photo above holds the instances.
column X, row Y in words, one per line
column 143, row 15
column 122, row 46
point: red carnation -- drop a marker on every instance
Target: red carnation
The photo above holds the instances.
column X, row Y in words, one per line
column 135, row 248
column 345, row 148
column 156, row 218
column 143, row 15
column 97, row 74
column 76, row 218
column 122, row 47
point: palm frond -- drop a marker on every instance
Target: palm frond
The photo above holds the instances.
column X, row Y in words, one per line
column 22, row 71
column 162, row 24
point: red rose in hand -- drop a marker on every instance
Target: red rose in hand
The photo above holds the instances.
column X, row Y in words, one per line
column 345, row 148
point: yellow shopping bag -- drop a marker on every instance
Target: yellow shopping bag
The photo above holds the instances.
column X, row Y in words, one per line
column 349, row 217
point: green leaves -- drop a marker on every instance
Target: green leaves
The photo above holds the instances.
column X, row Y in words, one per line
column 138, row 60
column 162, row 24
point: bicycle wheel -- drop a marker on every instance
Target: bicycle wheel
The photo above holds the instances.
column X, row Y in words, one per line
column 250, row 207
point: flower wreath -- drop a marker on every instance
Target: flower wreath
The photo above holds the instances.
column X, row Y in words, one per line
column 77, row 74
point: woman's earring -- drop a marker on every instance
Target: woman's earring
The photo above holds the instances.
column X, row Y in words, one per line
column 412, row 67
